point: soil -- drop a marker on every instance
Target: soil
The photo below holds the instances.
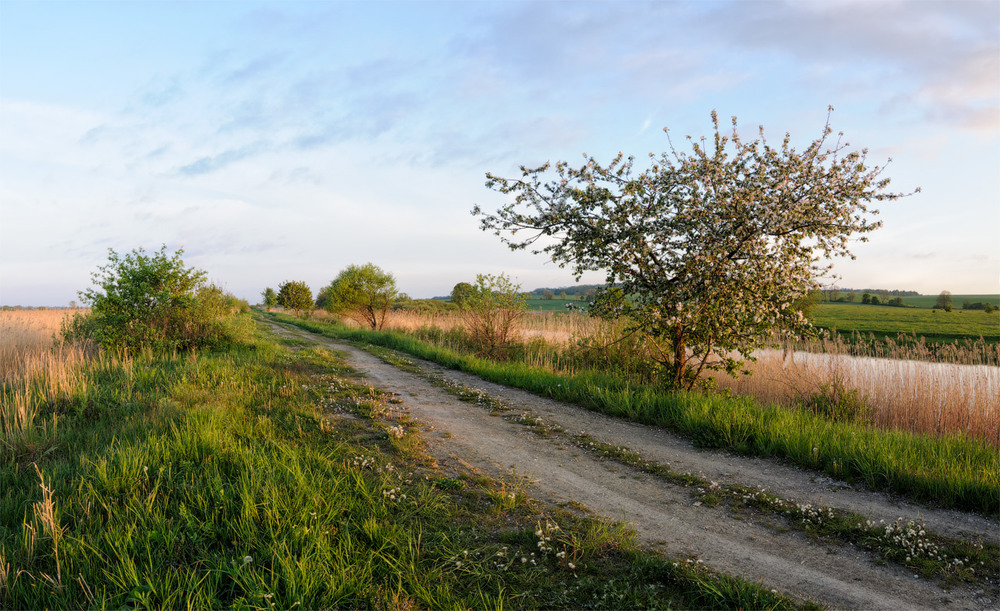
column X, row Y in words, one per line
column 664, row 515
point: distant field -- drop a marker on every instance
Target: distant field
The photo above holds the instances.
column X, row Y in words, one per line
column 928, row 301
column 553, row 305
column 935, row 325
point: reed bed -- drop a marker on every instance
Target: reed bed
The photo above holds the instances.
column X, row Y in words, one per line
column 901, row 394
column 895, row 379
column 35, row 370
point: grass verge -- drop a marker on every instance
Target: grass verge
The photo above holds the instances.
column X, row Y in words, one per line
column 259, row 477
column 949, row 471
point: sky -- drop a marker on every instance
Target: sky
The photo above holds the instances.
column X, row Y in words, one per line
column 276, row 141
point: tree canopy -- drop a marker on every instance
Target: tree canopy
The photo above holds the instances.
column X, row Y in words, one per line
column 943, row 301
column 270, row 298
column 363, row 293
column 295, row 295
column 460, row 293
column 707, row 249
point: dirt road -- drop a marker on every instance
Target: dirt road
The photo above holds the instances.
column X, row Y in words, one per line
column 662, row 513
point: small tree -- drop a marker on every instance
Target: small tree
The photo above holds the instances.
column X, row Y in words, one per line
column 491, row 312
column 460, row 293
column 709, row 248
column 270, row 298
column 943, row 301
column 296, row 296
column 363, row 293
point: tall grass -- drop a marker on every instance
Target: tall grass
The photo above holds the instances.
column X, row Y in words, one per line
column 946, row 469
column 36, row 371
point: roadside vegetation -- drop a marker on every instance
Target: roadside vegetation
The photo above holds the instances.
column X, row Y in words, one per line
column 904, row 385
column 949, row 470
column 258, row 476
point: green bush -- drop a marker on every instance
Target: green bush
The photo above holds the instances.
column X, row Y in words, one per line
column 153, row 301
column 837, row 402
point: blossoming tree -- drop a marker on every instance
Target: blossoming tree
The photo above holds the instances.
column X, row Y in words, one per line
column 706, row 249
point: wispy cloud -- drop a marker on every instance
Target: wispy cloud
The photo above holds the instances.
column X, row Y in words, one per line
column 946, row 55
column 212, row 163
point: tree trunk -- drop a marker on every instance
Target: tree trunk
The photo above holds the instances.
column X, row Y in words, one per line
column 680, row 356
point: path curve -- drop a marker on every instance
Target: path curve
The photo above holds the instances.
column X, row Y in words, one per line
column 663, row 514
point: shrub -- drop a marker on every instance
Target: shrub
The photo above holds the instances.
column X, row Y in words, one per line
column 837, row 402
column 270, row 298
column 153, row 301
column 491, row 311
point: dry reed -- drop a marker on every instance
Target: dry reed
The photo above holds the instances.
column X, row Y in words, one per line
column 35, row 369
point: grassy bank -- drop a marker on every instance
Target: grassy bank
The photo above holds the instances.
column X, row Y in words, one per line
column 949, row 471
column 263, row 478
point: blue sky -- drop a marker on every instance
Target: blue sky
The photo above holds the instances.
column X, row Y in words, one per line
column 284, row 141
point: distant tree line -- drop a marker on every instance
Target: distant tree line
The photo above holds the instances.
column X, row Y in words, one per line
column 583, row 292
column 989, row 308
column 884, row 296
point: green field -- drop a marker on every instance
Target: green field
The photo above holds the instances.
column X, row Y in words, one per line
column 554, row 305
column 934, row 325
column 928, row 301
column 919, row 319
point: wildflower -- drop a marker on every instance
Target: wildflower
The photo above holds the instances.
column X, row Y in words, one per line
column 247, row 559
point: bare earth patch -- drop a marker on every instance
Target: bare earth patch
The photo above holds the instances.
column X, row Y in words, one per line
column 663, row 513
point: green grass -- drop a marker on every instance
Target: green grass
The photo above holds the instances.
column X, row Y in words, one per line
column 948, row 471
column 934, row 325
column 257, row 477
